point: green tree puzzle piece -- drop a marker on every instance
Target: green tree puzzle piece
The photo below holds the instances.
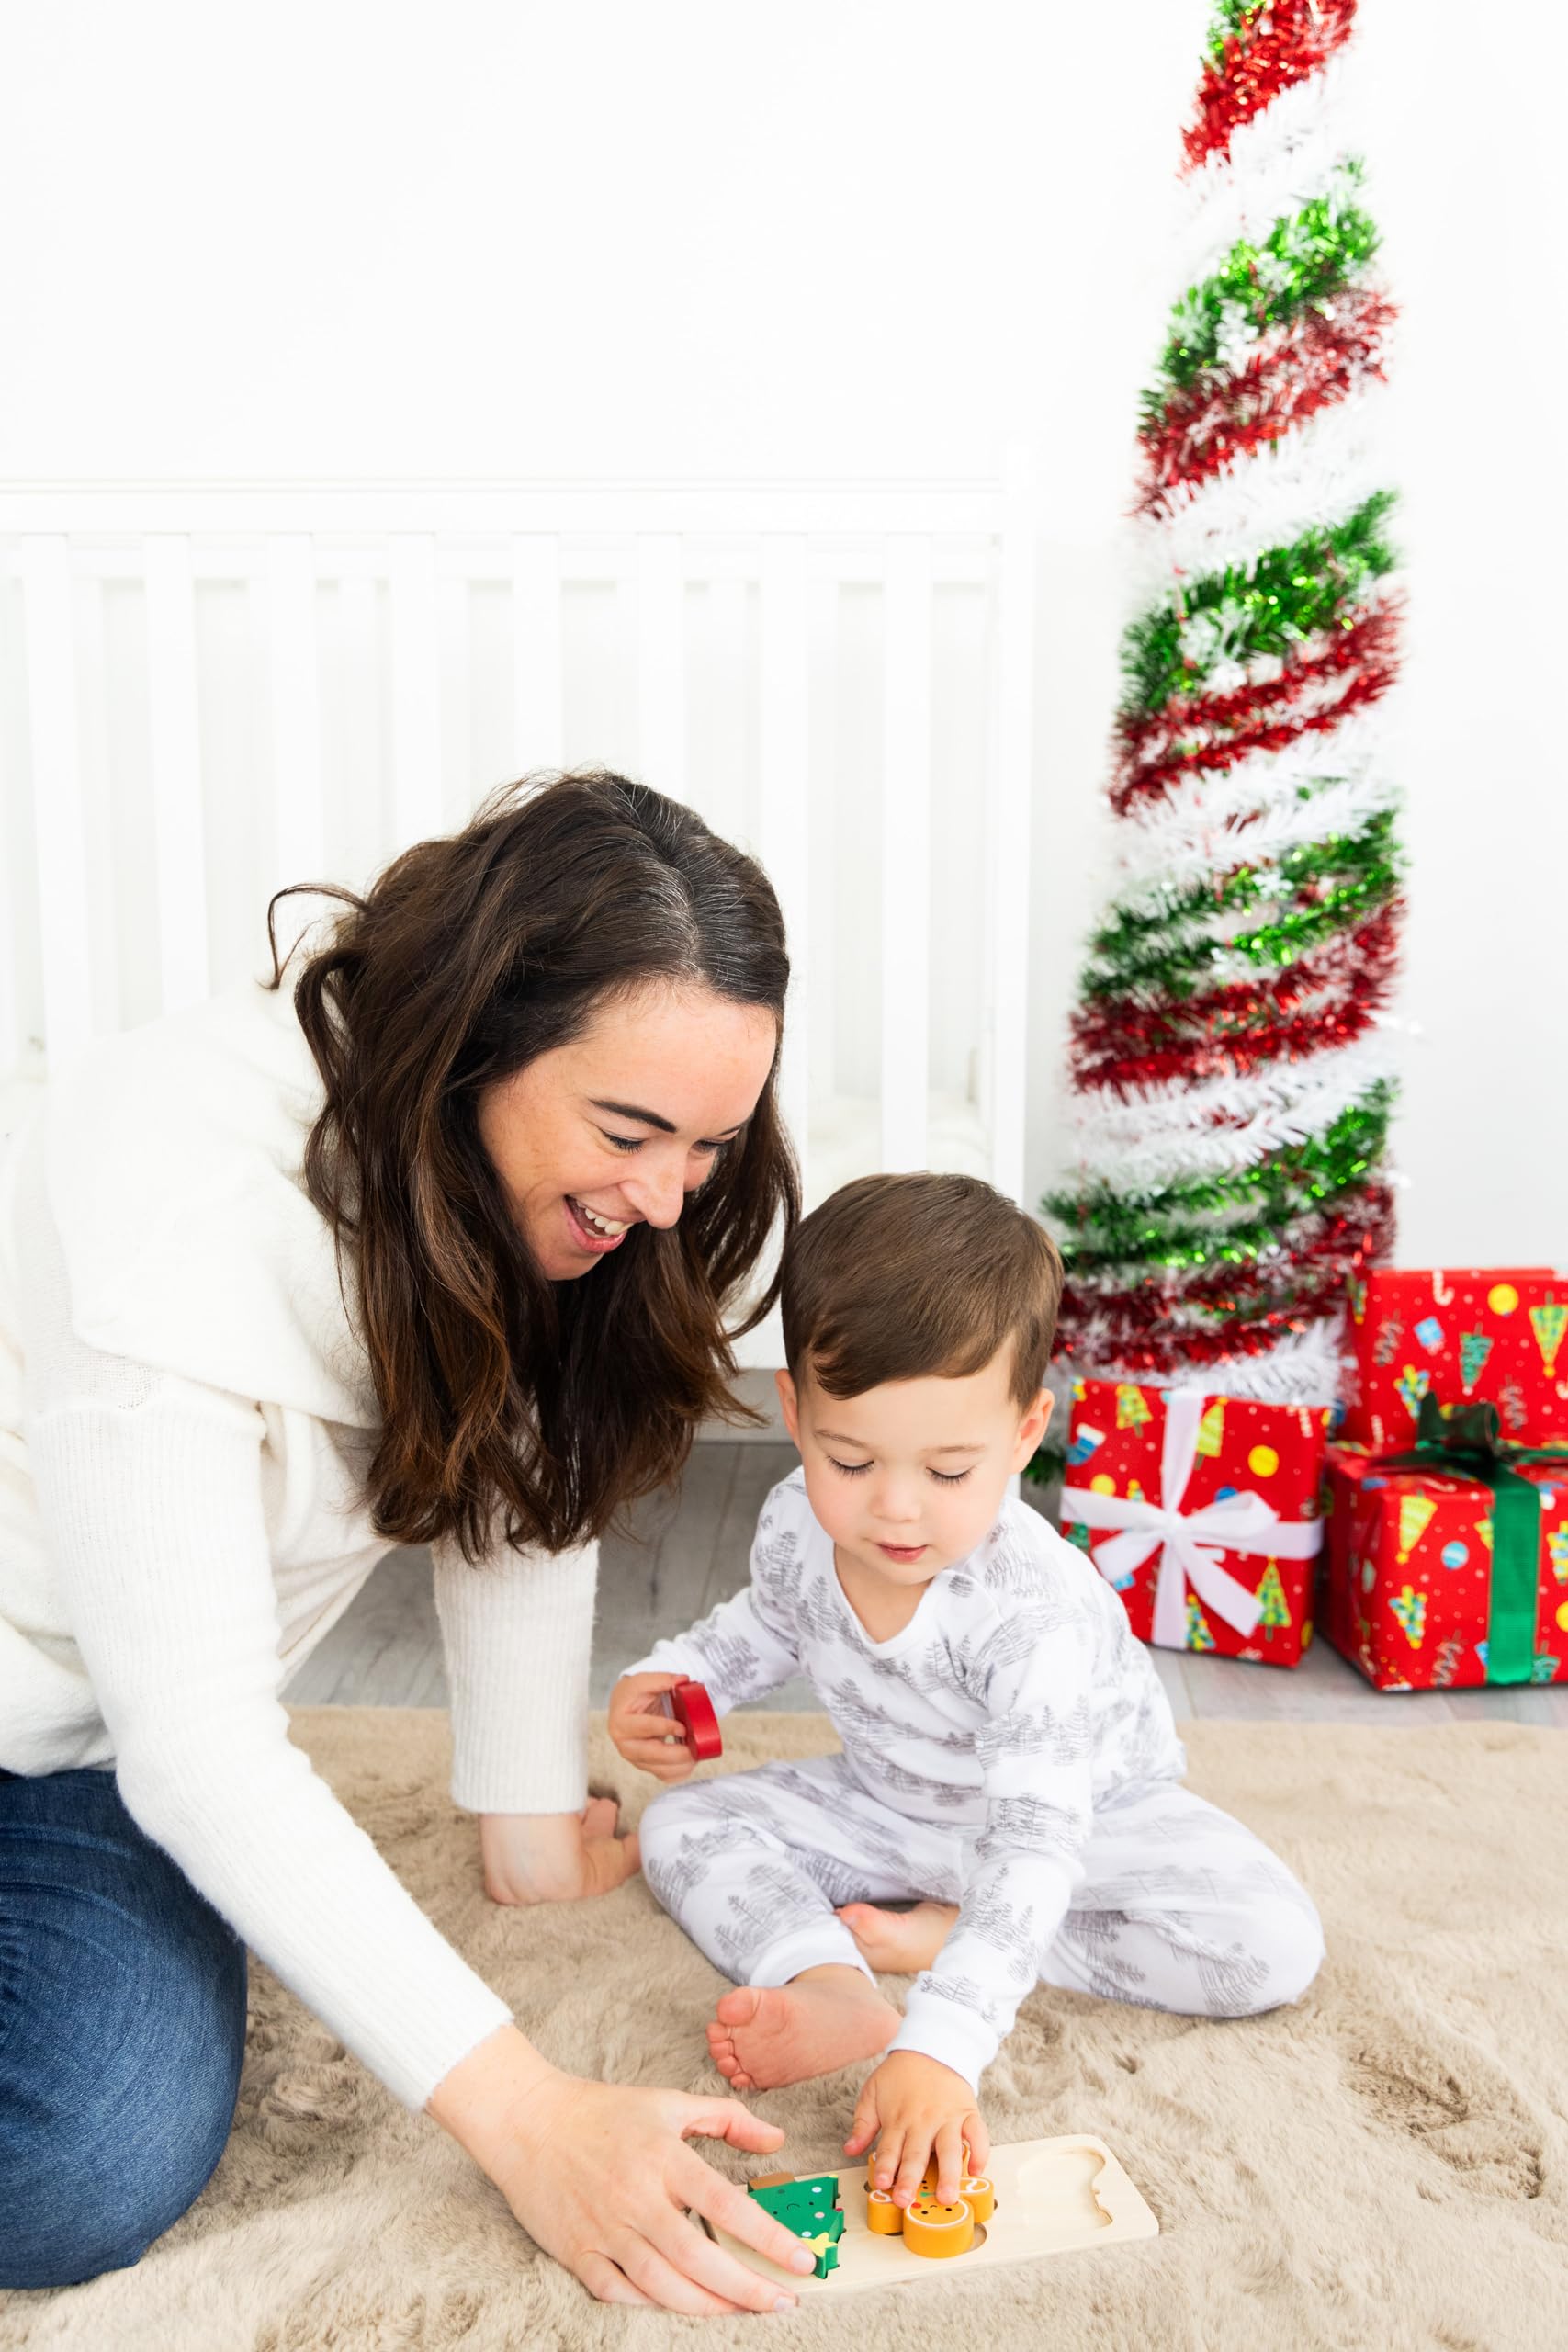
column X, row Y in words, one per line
column 810, row 2208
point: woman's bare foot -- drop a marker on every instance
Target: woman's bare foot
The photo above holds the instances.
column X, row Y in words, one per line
column 899, row 1943
column 765, row 2036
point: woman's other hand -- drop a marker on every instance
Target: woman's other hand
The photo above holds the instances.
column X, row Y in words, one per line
column 644, row 1734
column 603, row 2179
column 555, row 1857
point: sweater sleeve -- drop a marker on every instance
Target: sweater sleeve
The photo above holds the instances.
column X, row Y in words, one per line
column 1031, row 1673
column 150, row 1495
column 518, row 1631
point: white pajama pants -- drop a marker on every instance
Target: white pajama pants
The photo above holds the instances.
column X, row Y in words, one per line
column 1180, row 1907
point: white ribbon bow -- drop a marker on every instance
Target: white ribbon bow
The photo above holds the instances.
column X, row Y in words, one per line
column 1243, row 1522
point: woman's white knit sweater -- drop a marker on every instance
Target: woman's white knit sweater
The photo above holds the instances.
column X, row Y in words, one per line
column 186, row 1412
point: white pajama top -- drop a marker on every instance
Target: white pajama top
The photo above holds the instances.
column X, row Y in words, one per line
column 1013, row 1704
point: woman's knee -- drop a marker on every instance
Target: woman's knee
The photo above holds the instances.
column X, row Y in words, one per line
column 89, row 2198
column 104, row 2142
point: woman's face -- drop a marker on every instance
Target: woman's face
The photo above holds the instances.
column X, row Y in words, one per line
column 616, row 1128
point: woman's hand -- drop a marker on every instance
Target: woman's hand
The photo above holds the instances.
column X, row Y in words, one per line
column 645, row 1734
column 601, row 2179
column 555, row 1857
column 912, row 2106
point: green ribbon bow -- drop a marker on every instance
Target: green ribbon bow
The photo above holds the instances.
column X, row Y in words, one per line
column 1465, row 1439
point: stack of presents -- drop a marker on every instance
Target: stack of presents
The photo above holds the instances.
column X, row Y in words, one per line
column 1423, row 1523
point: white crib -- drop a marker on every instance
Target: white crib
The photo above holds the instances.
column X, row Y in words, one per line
column 209, row 691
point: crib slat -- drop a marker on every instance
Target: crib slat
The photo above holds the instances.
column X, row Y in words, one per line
column 174, row 724
column 785, row 833
column 728, row 729
column 1005, row 1029
column 661, row 662
column 417, row 812
column 59, row 823
column 539, row 700
column 299, row 846
column 906, row 851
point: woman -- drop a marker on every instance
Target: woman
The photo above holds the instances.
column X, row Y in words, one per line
column 432, row 1248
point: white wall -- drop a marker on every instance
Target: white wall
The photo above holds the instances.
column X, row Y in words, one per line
column 510, row 239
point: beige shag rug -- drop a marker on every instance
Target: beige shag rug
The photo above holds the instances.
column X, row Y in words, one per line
column 1384, row 2165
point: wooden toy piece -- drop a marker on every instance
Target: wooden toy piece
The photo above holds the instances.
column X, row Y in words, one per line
column 937, row 2230
column 979, row 2196
column 689, row 1705
column 928, row 2227
column 1047, row 2197
column 810, row 2208
column 882, row 2215
column 770, row 2180
column 825, row 2248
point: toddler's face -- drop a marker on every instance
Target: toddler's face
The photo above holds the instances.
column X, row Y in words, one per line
column 906, row 1479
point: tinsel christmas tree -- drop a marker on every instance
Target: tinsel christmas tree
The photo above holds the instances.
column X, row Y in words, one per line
column 1231, row 1091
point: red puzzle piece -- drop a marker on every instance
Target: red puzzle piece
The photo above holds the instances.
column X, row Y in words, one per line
column 689, row 1705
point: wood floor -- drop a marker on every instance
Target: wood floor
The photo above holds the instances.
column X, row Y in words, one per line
column 691, row 1550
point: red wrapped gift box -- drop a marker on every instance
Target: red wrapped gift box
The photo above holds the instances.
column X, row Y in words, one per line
column 1496, row 1335
column 1204, row 1512
column 1408, row 1592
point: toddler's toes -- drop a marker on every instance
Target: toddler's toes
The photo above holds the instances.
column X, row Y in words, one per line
column 721, row 2049
column 740, row 2005
column 879, row 1937
column 898, row 1942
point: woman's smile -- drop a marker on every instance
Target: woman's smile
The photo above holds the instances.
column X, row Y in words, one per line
column 592, row 1230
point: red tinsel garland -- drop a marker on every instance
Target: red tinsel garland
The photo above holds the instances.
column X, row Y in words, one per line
column 1288, row 41
column 1228, row 1287
column 1236, row 1012
column 1321, row 358
column 1221, row 1283
column 1363, row 658
column 1229, row 1011
column 1138, row 1333
column 1153, row 1348
column 1125, row 1044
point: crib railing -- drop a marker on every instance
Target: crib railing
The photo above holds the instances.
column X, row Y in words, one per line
column 217, row 690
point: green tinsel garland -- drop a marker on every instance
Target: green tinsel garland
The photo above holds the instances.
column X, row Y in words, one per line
column 1235, row 1245
column 1306, row 257
column 1265, row 607
column 1099, row 1227
column 1166, row 906
column 1139, row 953
column 1231, row 19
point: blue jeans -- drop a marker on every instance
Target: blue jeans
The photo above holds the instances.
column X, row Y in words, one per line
column 122, row 2027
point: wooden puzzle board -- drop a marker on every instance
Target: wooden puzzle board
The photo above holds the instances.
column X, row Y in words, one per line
column 1052, row 2197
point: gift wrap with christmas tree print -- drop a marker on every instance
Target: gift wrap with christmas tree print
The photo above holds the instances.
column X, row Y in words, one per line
column 1204, row 1512
column 1496, row 1335
column 1434, row 1581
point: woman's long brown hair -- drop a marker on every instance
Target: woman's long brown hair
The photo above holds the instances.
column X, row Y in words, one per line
column 514, row 1408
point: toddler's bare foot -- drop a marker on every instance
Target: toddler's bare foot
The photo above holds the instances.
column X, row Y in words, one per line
column 765, row 2036
column 899, row 1943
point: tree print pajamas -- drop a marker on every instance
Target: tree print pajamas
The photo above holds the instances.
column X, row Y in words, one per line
column 1011, row 1750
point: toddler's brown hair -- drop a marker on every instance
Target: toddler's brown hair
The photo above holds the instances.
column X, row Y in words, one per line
column 911, row 1277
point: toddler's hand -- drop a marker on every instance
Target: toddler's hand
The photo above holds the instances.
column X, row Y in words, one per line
column 911, row 2106
column 645, row 1734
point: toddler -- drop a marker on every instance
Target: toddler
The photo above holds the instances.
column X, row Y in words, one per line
column 1009, row 1759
